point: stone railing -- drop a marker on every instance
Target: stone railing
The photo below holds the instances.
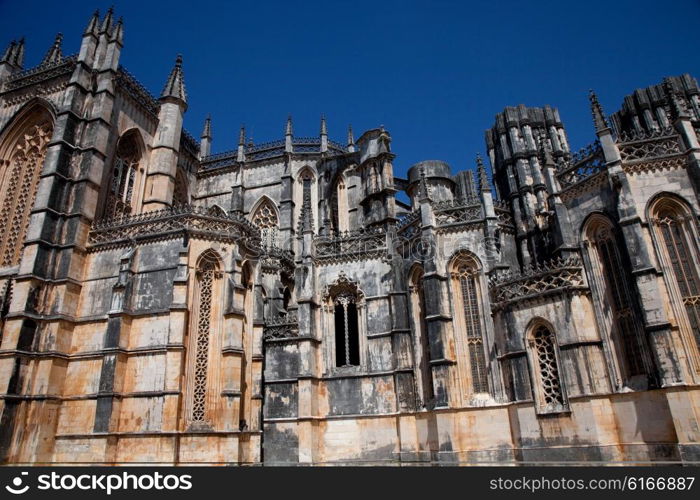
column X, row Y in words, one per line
column 458, row 211
column 505, row 217
column 281, row 327
column 555, row 275
column 656, row 144
column 270, row 149
column 582, row 165
column 350, row 245
column 210, row 223
column 409, row 225
column 40, row 73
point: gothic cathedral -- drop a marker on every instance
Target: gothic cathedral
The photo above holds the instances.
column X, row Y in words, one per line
column 280, row 303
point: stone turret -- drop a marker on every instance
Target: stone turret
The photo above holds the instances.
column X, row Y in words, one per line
column 205, row 145
column 160, row 181
column 288, row 135
column 376, row 171
column 88, row 45
column 518, row 175
column 54, row 55
column 324, row 135
column 432, row 178
column 11, row 60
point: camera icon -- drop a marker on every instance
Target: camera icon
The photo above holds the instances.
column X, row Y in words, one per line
column 17, row 483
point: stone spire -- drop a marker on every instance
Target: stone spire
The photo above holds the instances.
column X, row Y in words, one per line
column 324, row 134
column 484, row 184
column 107, row 22
column 118, row 32
column 599, row 119
column 351, row 140
column 175, row 86
column 9, row 53
column 288, row 134
column 54, row 56
column 205, row 144
column 241, row 144
column 93, row 25
column 206, row 132
column 19, row 53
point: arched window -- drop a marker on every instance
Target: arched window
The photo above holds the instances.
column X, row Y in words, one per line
column 615, row 298
column 124, row 173
column 343, row 304
column 544, row 361
column 339, row 206
column 265, row 218
column 306, row 199
column 204, row 323
column 347, row 347
column 466, row 284
column 424, row 374
column 675, row 231
column 21, row 160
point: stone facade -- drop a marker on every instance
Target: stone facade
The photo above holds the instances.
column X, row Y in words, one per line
column 279, row 304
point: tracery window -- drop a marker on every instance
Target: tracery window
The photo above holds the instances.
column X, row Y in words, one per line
column 266, row 219
column 549, row 393
column 121, row 188
column 339, row 206
column 674, row 225
column 468, row 307
column 20, row 181
column 347, row 347
column 206, row 275
column 617, row 298
column 306, row 202
column 344, row 302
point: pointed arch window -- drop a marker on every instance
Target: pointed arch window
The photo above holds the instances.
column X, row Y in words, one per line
column 544, row 361
column 344, row 303
column 616, row 300
column 305, row 198
column 339, row 206
column 265, row 218
column 124, row 174
column 21, row 162
column 466, row 284
column 675, row 228
column 204, row 323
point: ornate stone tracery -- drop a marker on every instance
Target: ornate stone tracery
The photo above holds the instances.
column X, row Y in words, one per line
column 207, row 274
column 265, row 218
column 675, row 229
column 20, row 184
column 124, row 177
column 466, row 281
column 551, row 397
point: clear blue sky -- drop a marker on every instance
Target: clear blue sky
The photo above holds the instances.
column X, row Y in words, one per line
column 433, row 72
